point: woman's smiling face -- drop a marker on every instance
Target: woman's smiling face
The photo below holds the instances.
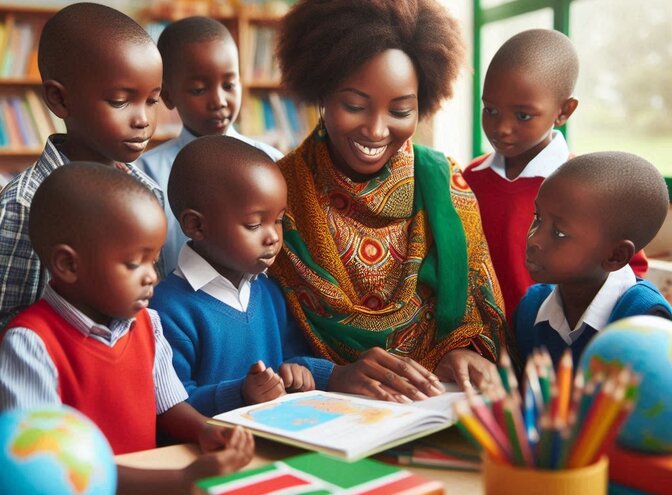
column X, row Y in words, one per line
column 372, row 114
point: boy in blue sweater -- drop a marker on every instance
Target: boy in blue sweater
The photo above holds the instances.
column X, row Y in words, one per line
column 591, row 215
column 226, row 321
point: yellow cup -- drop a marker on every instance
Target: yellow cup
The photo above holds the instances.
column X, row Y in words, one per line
column 504, row 479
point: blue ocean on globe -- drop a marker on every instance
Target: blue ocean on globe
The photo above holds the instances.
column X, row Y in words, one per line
column 54, row 451
column 645, row 344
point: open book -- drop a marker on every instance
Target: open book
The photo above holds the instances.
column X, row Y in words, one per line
column 347, row 426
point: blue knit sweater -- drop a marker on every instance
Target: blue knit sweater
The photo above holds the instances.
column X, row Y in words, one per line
column 643, row 298
column 214, row 345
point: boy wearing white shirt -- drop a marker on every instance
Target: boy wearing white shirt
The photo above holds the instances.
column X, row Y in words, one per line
column 591, row 216
column 201, row 80
column 226, row 321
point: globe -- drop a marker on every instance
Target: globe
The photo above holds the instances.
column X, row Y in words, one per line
column 645, row 344
column 54, row 451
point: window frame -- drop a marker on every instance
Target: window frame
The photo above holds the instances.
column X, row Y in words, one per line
column 513, row 8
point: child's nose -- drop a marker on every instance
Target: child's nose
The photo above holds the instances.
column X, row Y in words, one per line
column 218, row 99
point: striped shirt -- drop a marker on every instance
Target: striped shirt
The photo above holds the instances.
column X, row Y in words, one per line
column 29, row 378
column 22, row 276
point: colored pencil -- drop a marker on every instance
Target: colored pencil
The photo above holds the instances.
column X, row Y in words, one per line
column 597, row 426
column 478, row 431
column 488, row 420
column 564, row 385
column 520, row 445
column 559, row 423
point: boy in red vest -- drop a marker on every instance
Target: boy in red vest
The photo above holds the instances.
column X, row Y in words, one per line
column 527, row 92
column 91, row 343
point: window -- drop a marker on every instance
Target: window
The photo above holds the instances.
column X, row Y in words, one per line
column 625, row 76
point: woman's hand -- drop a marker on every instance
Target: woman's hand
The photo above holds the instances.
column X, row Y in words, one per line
column 466, row 368
column 384, row 376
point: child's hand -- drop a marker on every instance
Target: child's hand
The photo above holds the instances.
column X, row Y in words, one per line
column 238, row 453
column 262, row 384
column 296, row 378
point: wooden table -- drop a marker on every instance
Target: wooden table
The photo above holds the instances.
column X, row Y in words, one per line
column 179, row 456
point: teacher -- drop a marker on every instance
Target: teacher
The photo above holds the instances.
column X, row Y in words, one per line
column 384, row 265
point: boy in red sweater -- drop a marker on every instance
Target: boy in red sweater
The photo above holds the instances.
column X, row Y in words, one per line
column 527, row 92
column 91, row 343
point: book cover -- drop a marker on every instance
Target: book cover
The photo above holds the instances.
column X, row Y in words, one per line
column 342, row 425
column 650, row 473
column 319, row 474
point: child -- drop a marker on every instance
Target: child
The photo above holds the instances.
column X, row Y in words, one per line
column 101, row 73
column 527, row 92
column 220, row 312
column 90, row 342
column 200, row 79
column 591, row 215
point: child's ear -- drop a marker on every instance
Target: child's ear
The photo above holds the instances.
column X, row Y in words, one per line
column 566, row 111
column 54, row 96
column 191, row 222
column 165, row 96
column 64, row 263
column 621, row 254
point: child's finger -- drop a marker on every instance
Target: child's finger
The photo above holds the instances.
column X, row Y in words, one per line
column 257, row 367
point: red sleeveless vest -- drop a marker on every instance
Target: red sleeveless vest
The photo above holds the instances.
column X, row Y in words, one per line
column 113, row 386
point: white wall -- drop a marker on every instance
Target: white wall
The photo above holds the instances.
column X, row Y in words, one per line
column 452, row 124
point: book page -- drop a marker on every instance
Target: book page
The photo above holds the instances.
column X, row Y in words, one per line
column 341, row 424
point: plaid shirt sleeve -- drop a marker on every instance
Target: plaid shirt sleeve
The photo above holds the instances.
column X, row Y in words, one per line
column 20, row 269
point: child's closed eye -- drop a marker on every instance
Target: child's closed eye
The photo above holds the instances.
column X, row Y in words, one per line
column 117, row 103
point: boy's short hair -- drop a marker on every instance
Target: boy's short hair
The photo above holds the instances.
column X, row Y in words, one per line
column 196, row 29
column 76, row 34
column 207, row 168
column 543, row 53
column 632, row 191
column 74, row 202
column 343, row 35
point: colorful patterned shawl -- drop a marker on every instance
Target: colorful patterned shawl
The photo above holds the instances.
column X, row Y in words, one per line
column 398, row 262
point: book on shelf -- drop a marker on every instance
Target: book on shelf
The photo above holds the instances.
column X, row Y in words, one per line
column 342, row 425
column 18, row 47
column 40, row 114
column 26, row 130
column 315, row 473
column 11, row 124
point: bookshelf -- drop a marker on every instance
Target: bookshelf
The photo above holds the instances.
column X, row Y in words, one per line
column 267, row 113
column 25, row 122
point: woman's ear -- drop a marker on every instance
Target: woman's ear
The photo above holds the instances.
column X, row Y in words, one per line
column 64, row 263
column 566, row 111
column 55, row 96
column 192, row 223
column 621, row 254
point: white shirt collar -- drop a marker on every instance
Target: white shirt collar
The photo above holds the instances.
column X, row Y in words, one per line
column 200, row 275
column 544, row 164
column 108, row 335
column 598, row 311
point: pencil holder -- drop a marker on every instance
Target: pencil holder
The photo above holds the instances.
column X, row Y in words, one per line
column 504, row 479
